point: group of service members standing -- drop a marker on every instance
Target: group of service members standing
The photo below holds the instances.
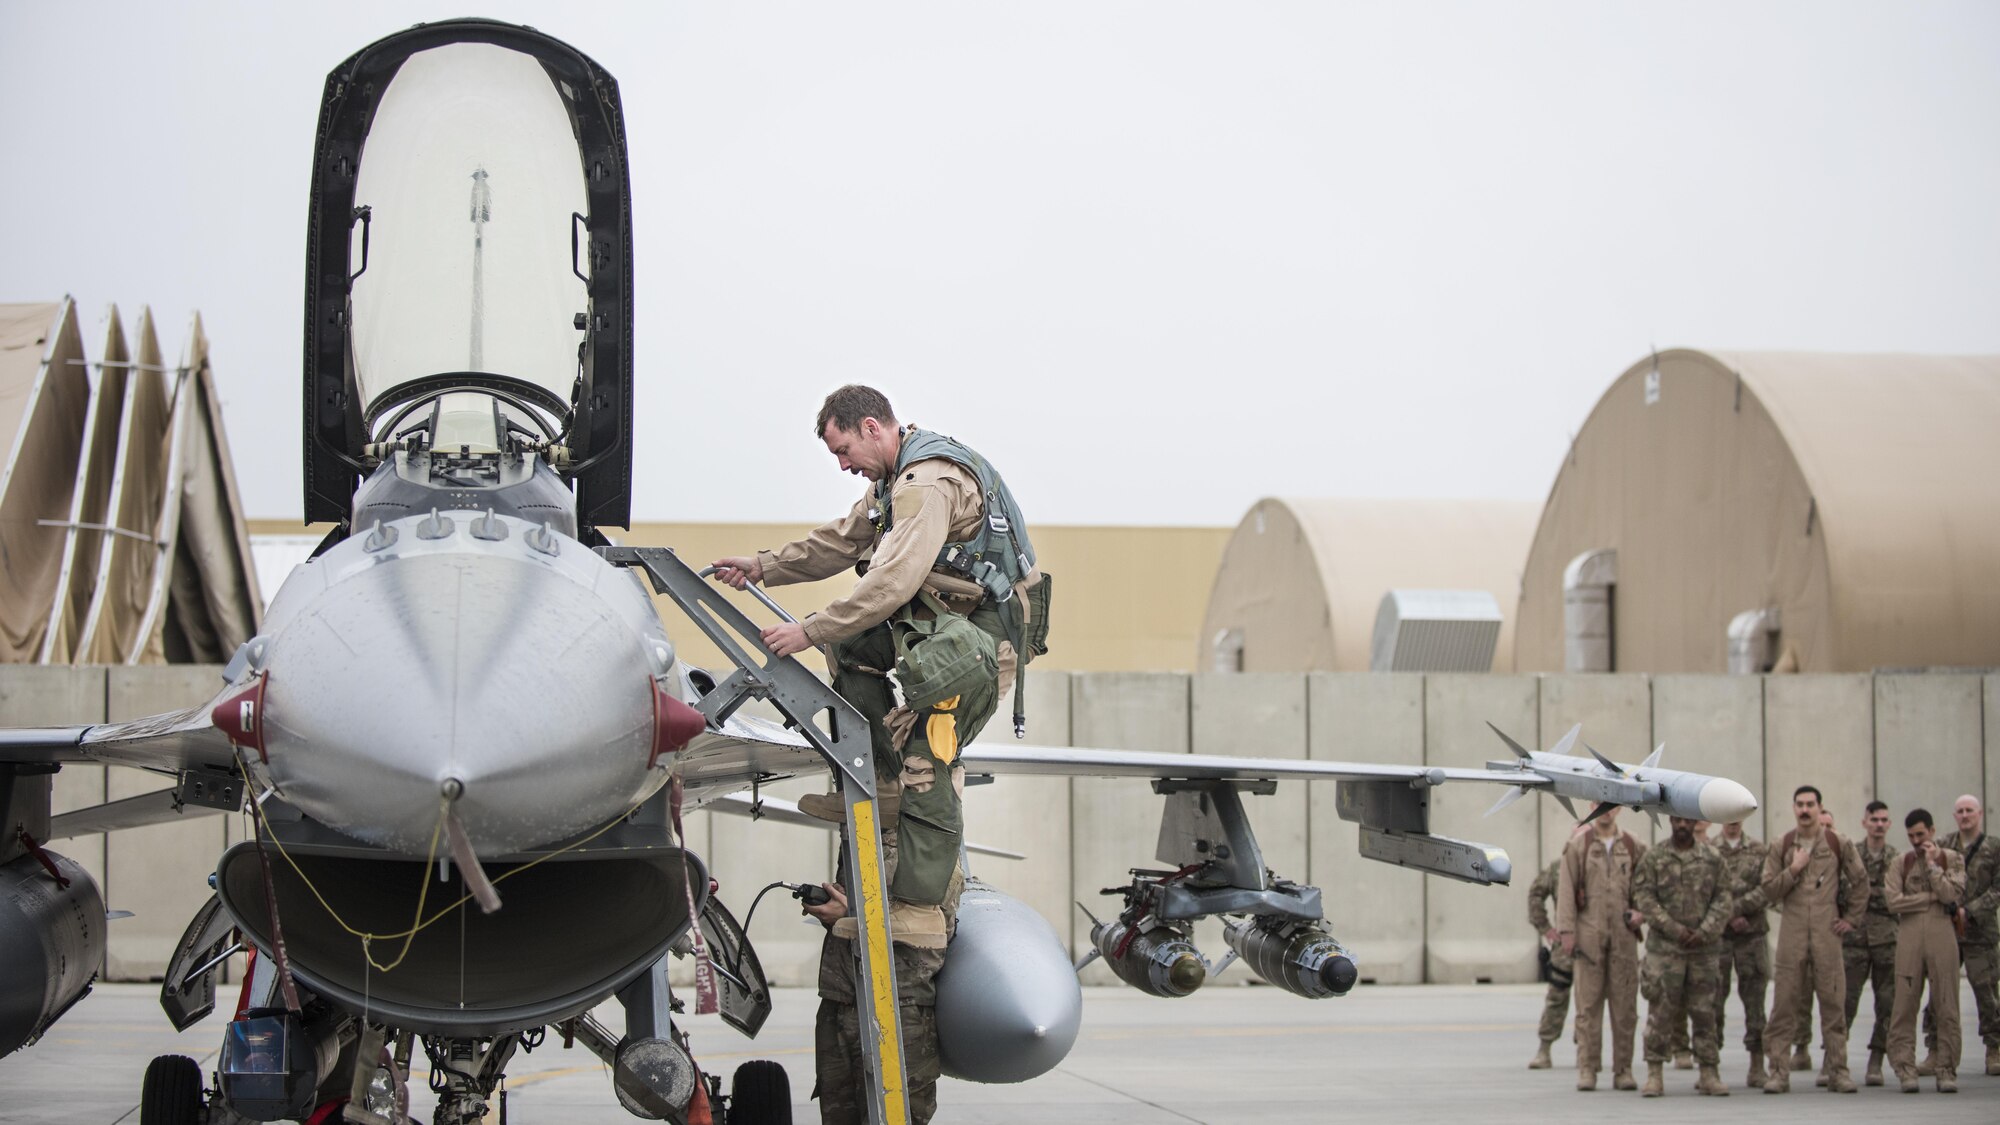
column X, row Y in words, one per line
column 1850, row 914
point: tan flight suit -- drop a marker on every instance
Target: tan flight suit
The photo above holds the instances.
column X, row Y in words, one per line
column 1595, row 891
column 1809, row 952
column 1926, row 950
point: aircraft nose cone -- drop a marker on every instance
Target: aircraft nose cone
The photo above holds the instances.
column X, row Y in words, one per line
column 1724, row 801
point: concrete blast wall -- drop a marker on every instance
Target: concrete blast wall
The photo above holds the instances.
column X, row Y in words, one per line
column 1909, row 739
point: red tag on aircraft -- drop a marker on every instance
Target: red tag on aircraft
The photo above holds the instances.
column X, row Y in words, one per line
column 240, row 717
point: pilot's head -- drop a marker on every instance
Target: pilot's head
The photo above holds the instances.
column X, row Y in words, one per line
column 859, row 429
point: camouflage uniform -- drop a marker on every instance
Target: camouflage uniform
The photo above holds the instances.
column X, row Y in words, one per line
column 1555, row 1007
column 843, row 1079
column 1870, row 951
column 1681, row 892
column 1748, row 953
column 1977, row 949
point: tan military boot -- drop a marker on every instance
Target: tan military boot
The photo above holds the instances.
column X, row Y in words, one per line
column 1622, row 1080
column 1947, row 1082
column 1993, row 1060
column 1684, row 1061
column 1711, row 1083
column 1779, row 1081
column 1541, row 1059
column 1801, row 1059
column 1755, row 1081
column 1927, row 1067
column 1656, row 1080
column 1874, row 1074
column 1820, row 1078
column 1908, row 1078
column 1586, row 1078
column 1841, row 1082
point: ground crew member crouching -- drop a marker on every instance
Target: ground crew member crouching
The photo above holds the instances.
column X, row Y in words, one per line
column 943, row 600
column 1746, row 951
column 1682, row 889
column 1870, row 950
column 1802, row 881
column 1979, row 944
column 1555, row 1005
column 1596, row 922
column 1924, row 888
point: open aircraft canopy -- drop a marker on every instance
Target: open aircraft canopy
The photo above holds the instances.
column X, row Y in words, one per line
column 470, row 231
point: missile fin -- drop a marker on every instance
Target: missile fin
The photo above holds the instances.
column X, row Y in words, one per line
column 1567, row 806
column 1655, row 814
column 1604, row 761
column 1093, row 955
column 1653, row 759
column 1602, row 808
column 1508, row 798
column 1519, row 751
column 1222, row 963
column 1567, row 742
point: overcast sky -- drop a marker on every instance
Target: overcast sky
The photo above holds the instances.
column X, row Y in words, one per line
column 1155, row 259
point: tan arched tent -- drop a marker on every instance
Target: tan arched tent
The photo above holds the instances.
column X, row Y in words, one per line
column 1858, row 496
column 1303, row 579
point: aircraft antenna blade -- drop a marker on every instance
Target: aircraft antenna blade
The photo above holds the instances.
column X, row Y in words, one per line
column 1509, row 797
column 1567, row 742
column 1519, row 751
column 468, row 865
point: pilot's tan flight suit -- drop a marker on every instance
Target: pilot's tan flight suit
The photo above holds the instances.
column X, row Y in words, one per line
column 1809, row 952
column 1926, row 949
column 1595, row 891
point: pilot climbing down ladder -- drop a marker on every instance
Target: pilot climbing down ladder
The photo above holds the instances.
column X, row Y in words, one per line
column 948, row 595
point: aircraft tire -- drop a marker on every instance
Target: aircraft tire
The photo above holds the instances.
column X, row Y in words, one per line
column 172, row 1093
column 760, row 1093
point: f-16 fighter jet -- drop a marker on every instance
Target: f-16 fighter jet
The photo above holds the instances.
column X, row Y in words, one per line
column 467, row 679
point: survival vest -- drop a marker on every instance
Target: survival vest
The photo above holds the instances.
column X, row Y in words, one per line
column 997, row 559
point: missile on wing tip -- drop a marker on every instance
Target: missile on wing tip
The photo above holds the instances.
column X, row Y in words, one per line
column 1697, row 796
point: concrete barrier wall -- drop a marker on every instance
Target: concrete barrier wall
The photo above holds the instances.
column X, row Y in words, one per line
column 1911, row 739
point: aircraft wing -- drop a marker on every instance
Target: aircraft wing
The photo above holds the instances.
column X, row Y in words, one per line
column 170, row 742
column 1082, row 761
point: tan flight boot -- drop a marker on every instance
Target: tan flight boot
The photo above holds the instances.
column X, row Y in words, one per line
column 1874, row 1073
column 1711, row 1083
column 1993, row 1060
column 1684, row 1061
column 832, row 807
column 1820, row 1078
column 1656, row 1080
column 1756, row 1079
column 1841, row 1082
column 1947, row 1082
column 1908, row 1079
column 1541, row 1059
column 1622, row 1080
column 1801, row 1059
column 1586, row 1078
column 1927, row 1067
column 1779, row 1081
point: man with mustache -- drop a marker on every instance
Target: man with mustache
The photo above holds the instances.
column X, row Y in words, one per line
column 1802, row 881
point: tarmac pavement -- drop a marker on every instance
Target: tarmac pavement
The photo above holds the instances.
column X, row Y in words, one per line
column 1430, row 1053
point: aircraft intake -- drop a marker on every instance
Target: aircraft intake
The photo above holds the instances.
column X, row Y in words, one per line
column 572, row 931
column 1302, row 959
column 51, row 943
column 1160, row 961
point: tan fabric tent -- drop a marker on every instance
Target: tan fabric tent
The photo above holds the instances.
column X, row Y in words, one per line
column 44, row 393
column 111, row 628
column 83, row 539
column 205, row 601
column 1302, row 579
column 1859, row 496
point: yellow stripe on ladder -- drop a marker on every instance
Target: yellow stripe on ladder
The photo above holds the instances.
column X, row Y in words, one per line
column 881, row 965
